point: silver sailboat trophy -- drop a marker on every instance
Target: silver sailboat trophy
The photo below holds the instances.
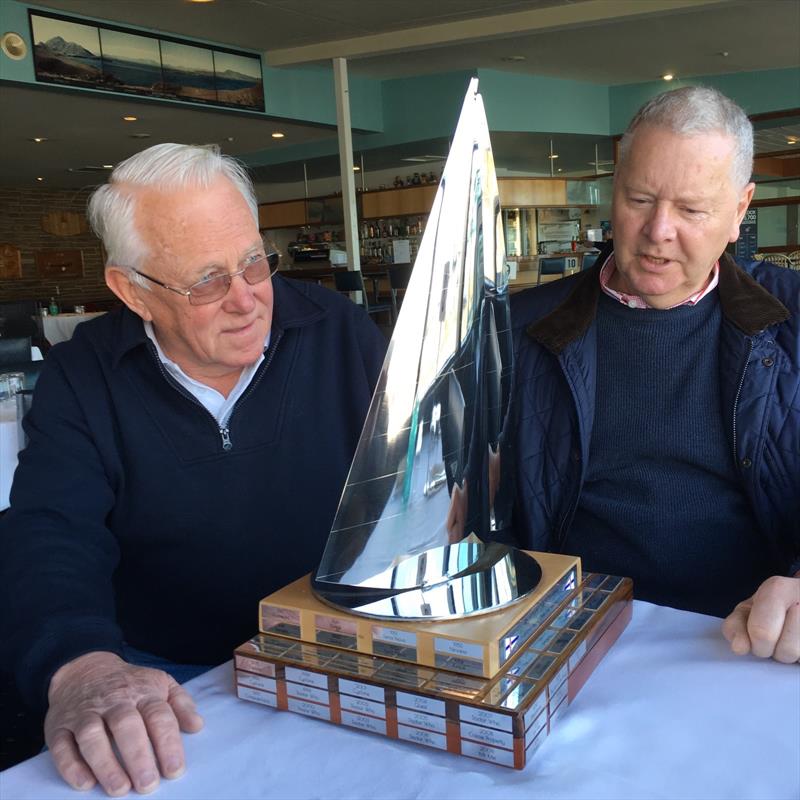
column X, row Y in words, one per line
column 430, row 485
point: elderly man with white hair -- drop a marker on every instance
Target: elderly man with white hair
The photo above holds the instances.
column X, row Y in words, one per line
column 657, row 392
column 186, row 454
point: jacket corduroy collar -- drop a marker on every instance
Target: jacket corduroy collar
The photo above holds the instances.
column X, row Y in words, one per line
column 744, row 302
column 292, row 308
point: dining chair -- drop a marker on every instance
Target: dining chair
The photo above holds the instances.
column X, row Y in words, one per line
column 551, row 266
column 14, row 350
column 399, row 277
column 352, row 280
column 781, row 259
column 588, row 260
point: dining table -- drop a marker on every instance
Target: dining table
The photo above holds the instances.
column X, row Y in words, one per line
column 60, row 327
column 670, row 713
column 11, row 437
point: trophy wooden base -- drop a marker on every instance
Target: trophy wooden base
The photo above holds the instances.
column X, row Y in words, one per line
column 502, row 719
column 478, row 645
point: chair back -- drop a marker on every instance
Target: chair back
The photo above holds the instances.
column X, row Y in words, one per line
column 794, row 260
column 781, row 259
column 14, row 350
column 589, row 260
column 349, row 280
column 399, row 277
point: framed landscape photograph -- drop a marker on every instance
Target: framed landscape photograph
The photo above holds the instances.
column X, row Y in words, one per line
column 239, row 80
column 131, row 63
column 125, row 61
column 66, row 52
column 188, row 72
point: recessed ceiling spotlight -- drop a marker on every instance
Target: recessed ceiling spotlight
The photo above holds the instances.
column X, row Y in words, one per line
column 559, row 170
column 667, row 76
column 130, row 118
column 38, row 139
column 40, row 179
column 278, row 135
column 723, row 53
column 791, row 140
column 356, row 169
column 108, row 166
column 514, row 58
column 554, row 155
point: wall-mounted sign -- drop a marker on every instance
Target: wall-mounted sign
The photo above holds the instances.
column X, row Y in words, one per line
column 71, row 52
column 747, row 243
column 64, row 223
column 10, row 262
column 60, row 263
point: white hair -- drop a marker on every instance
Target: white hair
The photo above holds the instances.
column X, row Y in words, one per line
column 168, row 166
column 693, row 110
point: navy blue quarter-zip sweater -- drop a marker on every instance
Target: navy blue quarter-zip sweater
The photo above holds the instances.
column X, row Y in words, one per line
column 133, row 518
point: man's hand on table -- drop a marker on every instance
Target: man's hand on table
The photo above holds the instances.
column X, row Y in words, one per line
column 768, row 624
column 116, row 724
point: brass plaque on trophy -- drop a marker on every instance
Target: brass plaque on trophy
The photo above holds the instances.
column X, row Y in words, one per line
column 502, row 719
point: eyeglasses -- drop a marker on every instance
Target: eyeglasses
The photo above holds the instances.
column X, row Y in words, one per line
column 257, row 268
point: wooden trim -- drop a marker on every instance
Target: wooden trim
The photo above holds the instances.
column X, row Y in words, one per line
column 776, row 201
column 787, row 112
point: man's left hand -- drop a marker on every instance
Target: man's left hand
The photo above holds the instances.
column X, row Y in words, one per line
column 767, row 624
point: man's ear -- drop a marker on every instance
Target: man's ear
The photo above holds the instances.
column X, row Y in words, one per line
column 744, row 202
column 121, row 282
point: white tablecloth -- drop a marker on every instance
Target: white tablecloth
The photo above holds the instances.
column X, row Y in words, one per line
column 59, row 328
column 669, row 713
column 10, row 438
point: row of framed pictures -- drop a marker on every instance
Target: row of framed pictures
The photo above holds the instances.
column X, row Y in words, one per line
column 68, row 52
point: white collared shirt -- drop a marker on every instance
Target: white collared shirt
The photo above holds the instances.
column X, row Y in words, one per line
column 215, row 402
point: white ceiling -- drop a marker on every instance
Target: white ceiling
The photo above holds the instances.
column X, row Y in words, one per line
column 603, row 41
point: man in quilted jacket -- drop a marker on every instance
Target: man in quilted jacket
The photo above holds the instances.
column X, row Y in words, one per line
column 657, row 392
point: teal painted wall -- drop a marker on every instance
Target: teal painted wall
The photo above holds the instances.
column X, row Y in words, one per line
column 543, row 105
column 424, row 107
column 757, row 92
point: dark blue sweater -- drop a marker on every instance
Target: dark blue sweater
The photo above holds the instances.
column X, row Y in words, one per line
column 129, row 521
column 661, row 500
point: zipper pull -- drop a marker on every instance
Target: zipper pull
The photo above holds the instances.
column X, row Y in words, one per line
column 225, row 435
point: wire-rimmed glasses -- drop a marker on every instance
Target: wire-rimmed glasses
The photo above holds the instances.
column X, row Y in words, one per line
column 257, row 268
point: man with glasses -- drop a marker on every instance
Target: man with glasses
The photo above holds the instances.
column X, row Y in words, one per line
column 185, row 458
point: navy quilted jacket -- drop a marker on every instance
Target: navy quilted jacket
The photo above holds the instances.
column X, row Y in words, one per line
column 555, row 353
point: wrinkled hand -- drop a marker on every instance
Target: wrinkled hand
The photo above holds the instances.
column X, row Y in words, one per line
column 116, row 724
column 768, row 624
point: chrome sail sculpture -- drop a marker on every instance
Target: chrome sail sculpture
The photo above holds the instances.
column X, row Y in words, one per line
column 431, row 477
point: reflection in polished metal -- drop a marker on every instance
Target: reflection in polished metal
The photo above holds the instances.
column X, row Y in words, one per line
column 431, row 476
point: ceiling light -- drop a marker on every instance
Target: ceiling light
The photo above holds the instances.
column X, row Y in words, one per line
column 791, row 141
column 560, row 170
column 554, row 155
column 201, row 1
column 39, row 139
column 356, row 169
column 130, row 118
column 667, row 76
column 278, row 135
column 40, row 179
column 108, row 166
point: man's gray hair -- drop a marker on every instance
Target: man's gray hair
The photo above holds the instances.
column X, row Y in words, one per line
column 693, row 110
column 111, row 209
